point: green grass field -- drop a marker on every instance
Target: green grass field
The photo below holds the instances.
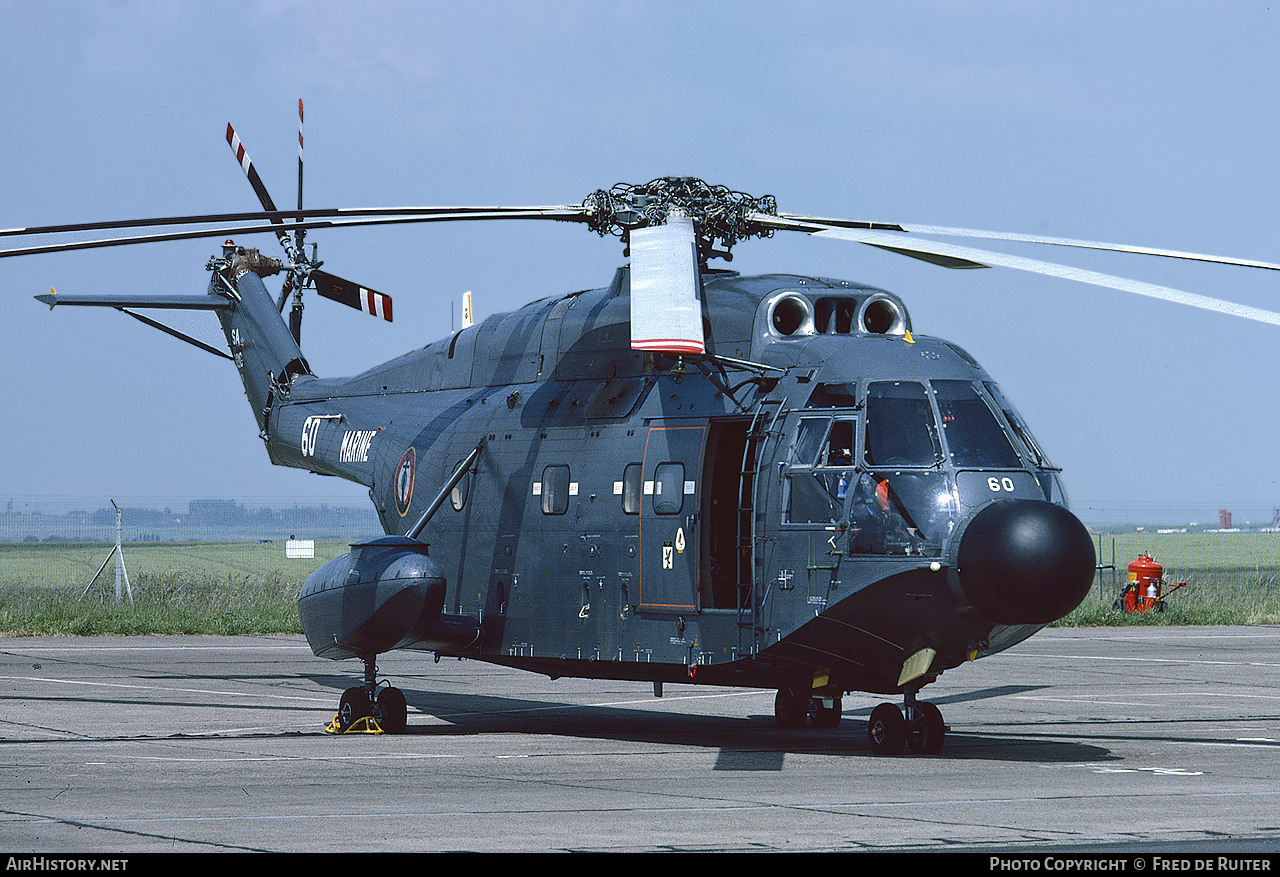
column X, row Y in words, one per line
column 1232, row 578
column 245, row 587
column 187, row 588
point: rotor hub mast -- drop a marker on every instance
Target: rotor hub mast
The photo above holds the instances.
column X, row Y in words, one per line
column 720, row 215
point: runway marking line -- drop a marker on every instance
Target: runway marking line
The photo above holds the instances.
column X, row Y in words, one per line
column 253, row 694
column 1137, row 659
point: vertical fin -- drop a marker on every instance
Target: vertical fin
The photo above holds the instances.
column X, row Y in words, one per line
column 263, row 349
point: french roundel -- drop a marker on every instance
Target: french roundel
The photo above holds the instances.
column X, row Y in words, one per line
column 404, row 481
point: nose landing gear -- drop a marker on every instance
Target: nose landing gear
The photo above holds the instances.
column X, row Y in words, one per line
column 917, row 725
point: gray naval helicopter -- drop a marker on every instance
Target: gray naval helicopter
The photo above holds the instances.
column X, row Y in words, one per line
column 686, row 475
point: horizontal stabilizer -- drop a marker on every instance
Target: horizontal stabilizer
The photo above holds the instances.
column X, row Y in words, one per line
column 666, row 314
column 353, row 295
column 170, row 302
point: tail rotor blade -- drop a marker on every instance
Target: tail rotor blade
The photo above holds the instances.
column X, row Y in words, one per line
column 246, row 165
column 353, row 295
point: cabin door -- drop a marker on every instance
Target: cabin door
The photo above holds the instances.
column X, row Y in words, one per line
column 669, row 519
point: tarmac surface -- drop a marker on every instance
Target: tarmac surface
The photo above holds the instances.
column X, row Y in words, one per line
column 1117, row 739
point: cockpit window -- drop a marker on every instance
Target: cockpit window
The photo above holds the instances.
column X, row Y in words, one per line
column 838, row 452
column 809, row 434
column 1019, row 425
column 900, row 427
column 973, row 435
column 833, row 396
column 820, row 470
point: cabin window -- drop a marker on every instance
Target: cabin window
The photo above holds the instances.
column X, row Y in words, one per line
column 631, row 488
column 458, row 496
column 901, row 430
column 668, row 488
column 555, row 490
column 973, row 435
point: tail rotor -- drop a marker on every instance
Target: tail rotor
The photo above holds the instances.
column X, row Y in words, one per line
column 303, row 271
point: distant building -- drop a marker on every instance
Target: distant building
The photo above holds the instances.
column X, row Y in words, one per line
column 215, row 512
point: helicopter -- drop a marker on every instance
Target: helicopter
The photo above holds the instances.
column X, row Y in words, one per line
column 685, row 475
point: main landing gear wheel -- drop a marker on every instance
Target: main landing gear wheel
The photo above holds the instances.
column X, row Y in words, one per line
column 918, row 726
column 386, row 706
column 824, row 716
column 792, row 709
column 886, row 730
column 925, row 729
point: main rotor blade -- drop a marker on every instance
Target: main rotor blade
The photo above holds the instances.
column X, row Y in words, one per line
column 277, row 216
column 666, row 313
column 931, row 250
column 950, row 231
column 569, row 214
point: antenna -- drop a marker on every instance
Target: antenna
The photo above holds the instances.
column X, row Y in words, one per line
column 118, row 553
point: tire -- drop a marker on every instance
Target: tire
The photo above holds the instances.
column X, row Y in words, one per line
column 393, row 713
column 790, row 709
column 828, row 718
column 886, row 730
column 353, row 707
column 928, row 732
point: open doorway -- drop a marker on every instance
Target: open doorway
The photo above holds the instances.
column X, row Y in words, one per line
column 721, row 507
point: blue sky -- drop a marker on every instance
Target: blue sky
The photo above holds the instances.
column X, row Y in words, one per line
column 1151, row 123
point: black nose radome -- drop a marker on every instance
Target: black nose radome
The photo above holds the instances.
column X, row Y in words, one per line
column 1025, row 562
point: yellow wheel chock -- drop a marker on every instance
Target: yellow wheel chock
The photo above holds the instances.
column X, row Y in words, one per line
column 362, row 725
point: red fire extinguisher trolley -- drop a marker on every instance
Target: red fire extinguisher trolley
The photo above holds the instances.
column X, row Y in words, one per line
column 1146, row 588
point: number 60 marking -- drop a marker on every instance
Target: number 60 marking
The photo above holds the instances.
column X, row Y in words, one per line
column 999, row 484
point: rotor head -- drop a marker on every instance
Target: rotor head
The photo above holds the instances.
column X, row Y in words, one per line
column 720, row 215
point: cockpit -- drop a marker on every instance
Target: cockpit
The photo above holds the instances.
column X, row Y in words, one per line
column 898, row 465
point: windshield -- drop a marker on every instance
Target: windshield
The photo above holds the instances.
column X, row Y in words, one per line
column 973, row 435
column 898, row 476
column 900, row 427
column 1018, row 424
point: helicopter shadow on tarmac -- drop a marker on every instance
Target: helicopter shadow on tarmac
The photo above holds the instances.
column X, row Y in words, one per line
column 745, row 743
